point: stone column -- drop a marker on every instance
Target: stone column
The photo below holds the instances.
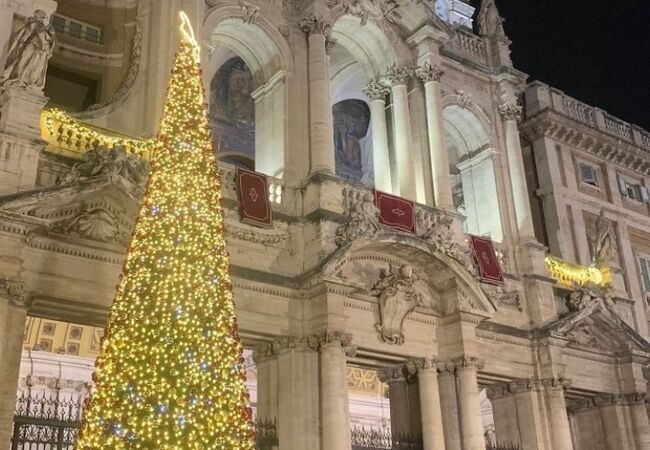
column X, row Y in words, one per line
column 432, row 429
column 266, row 362
column 398, row 393
column 297, row 394
column 430, row 76
column 640, row 425
column 377, row 93
column 449, row 406
column 471, row 425
column 511, row 114
column 13, row 313
column 557, row 412
column 320, row 108
column 335, row 410
column 398, row 78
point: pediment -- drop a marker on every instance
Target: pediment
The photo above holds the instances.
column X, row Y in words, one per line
column 97, row 208
column 598, row 329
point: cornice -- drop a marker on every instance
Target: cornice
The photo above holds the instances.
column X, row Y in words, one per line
column 599, row 143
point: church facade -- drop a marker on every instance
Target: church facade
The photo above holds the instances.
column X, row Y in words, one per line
column 447, row 255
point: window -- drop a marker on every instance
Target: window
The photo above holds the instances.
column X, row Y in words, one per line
column 644, row 265
column 76, row 29
column 589, row 174
column 58, row 23
column 633, row 191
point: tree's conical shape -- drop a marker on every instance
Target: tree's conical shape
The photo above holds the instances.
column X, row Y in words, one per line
column 170, row 374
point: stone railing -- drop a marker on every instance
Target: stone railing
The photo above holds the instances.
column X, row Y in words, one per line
column 465, row 44
column 69, row 137
column 541, row 96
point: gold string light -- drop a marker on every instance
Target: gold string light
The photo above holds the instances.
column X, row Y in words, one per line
column 170, row 375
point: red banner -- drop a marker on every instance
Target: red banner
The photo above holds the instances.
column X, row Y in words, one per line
column 395, row 212
column 254, row 204
column 485, row 255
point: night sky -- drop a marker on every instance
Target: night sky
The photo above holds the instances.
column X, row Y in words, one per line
column 594, row 50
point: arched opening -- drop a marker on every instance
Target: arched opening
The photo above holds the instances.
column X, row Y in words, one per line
column 246, row 78
column 359, row 55
column 473, row 182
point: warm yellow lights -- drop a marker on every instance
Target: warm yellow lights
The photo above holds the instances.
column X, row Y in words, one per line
column 568, row 274
column 170, row 375
column 72, row 138
column 188, row 33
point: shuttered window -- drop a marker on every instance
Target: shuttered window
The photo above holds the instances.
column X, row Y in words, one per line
column 589, row 174
column 644, row 264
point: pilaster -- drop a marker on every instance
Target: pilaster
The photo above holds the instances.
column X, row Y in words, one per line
column 13, row 313
column 557, row 412
column 377, row 93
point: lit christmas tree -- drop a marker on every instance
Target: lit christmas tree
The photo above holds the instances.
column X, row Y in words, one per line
column 170, row 374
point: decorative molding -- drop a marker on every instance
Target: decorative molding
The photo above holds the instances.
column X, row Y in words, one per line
column 15, row 292
column 397, row 299
column 250, row 13
column 587, row 297
column 500, row 296
column 465, row 362
column 329, row 338
column 463, row 99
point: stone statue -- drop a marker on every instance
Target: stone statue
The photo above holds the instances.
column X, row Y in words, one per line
column 29, row 53
column 397, row 299
column 490, row 22
column 363, row 218
column 602, row 241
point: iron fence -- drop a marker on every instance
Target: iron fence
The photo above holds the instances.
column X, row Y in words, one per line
column 369, row 439
column 46, row 423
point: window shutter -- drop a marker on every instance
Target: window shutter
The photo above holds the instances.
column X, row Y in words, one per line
column 645, row 273
column 622, row 185
column 588, row 174
column 645, row 197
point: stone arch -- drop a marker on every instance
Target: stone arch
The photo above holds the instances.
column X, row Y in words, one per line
column 473, row 170
column 454, row 287
column 268, row 57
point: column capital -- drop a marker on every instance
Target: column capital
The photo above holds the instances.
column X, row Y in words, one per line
column 632, row 398
column 465, row 362
column 419, row 365
column 511, row 112
column 375, row 90
column 515, row 387
column 428, row 72
column 398, row 75
column 314, row 24
column 392, row 373
column 15, row 292
column 556, row 383
column 329, row 338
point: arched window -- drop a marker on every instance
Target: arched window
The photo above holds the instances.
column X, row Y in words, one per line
column 473, row 181
column 232, row 113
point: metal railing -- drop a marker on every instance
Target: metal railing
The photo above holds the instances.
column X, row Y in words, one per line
column 46, row 423
column 369, row 439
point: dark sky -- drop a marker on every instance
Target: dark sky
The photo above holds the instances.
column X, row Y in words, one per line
column 594, row 50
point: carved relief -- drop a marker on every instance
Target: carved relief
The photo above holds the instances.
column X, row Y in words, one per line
column 397, row 299
column 463, row 99
column 435, row 228
column 109, row 163
column 601, row 242
column 315, row 25
column 511, row 111
column 512, row 298
column 398, row 75
column 428, row 72
column 375, row 90
column 96, row 223
column 586, row 296
column 490, row 22
column 250, row 13
column 362, row 217
column 14, row 291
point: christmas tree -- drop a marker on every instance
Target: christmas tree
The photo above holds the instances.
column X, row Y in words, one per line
column 170, row 374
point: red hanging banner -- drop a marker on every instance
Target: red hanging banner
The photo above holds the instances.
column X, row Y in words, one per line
column 395, row 212
column 486, row 258
column 253, row 193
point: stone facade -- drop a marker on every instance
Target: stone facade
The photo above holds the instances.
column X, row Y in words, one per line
column 327, row 289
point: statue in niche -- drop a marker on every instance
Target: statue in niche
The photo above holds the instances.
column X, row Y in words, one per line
column 232, row 109
column 397, row 299
column 351, row 124
column 602, row 241
column 490, row 22
column 29, row 53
